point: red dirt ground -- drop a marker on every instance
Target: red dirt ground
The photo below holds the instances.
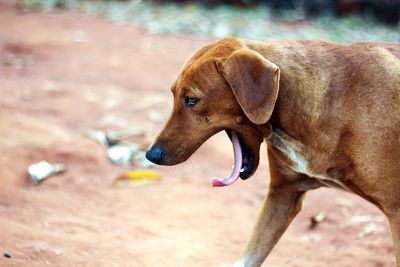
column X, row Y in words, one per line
column 62, row 73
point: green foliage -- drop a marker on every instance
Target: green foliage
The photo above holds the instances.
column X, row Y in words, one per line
column 252, row 23
column 48, row 4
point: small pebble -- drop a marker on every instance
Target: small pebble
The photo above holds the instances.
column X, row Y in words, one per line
column 7, row 255
column 317, row 219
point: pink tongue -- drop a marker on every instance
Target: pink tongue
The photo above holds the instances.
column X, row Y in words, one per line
column 237, row 151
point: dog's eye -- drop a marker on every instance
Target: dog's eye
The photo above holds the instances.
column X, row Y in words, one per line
column 191, row 101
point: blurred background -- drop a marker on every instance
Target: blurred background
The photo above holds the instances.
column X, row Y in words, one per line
column 85, row 88
column 337, row 20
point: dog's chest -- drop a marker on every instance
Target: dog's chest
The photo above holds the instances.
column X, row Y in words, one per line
column 297, row 160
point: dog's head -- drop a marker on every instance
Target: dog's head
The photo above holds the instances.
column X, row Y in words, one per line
column 224, row 86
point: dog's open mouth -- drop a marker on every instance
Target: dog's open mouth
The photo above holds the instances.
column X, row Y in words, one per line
column 243, row 162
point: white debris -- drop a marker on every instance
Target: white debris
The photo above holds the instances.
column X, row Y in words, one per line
column 43, row 170
column 366, row 219
column 371, row 228
column 98, row 136
column 142, row 161
column 122, row 154
column 111, row 138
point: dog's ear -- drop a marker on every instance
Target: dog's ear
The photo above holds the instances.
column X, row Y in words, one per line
column 254, row 81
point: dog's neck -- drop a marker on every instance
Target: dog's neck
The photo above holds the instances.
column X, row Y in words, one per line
column 301, row 88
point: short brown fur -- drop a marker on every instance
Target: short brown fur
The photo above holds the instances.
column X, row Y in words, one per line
column 338, row 104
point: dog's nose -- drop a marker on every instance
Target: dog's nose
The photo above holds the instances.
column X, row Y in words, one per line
column 155, row 154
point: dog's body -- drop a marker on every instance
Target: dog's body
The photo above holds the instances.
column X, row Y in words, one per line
column 329, row 113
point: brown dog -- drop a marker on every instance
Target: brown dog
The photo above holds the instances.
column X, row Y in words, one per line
column 329, row 113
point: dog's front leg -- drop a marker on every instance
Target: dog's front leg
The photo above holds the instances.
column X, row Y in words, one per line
column 393, row 215
column 283, row 202
column 278, row 210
